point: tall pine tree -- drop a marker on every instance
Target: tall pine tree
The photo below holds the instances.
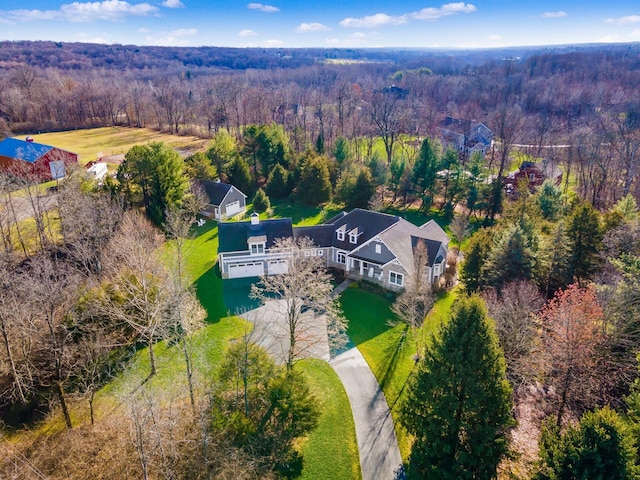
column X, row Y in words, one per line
column 458, row 406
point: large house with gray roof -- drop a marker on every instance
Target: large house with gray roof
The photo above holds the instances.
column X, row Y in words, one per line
column 364, row 244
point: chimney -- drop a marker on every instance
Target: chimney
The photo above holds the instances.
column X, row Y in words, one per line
column 255, row 218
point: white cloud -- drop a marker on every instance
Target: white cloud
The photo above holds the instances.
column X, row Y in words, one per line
column 273, row 43
column 559, row 14
column 262, row 7
column 312, row 27
column 624, row 20
column 247, row 33
column 444, row 11
column 109, row 10
column 172, row 4
column 183, row 32
column 494, row 38
column 373, row 21
column 635, row 35
column 144, row 30
column 431, row 13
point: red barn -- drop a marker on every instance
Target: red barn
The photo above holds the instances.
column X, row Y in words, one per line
column 35, row 160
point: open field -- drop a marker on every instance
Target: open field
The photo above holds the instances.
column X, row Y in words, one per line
column 93, row 143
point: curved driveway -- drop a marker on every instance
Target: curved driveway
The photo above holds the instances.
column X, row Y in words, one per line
column 377, row 442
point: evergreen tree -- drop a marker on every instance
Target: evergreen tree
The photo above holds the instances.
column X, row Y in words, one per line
column 155, row 172
column 472, row 272
column 314, row 187
column 198, row 166
column 278, row 185
column 556, row 271
column 425, row 173
column 240, row 175
column 549, row 201
column 261, row 202
column 585, row 237
column 320, row 144
column 341, row 150
column 458, row 406
column 363, row 190
column 222, row 151
column 511, row 258
column 600, row 447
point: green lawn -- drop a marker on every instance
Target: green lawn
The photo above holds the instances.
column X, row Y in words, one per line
column 331, row 451
column 389, row 350
column 303, row 215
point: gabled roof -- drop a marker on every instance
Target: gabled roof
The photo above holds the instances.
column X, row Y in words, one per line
column 216, row 191
column 368, row 223
column 320, row 235
column 368, row 253
column 22, row 150
column 232, row 236
column 404, row 236
column 431, row 229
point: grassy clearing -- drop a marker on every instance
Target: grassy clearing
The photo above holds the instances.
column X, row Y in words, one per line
column 389, row 350
column 331, row 451
column 91, row 143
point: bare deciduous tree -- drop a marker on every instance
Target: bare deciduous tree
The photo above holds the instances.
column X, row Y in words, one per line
column 139, row 291
column 304, row 289
column 412, row 305
column 515, row 312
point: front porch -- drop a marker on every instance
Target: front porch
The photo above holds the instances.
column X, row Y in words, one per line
column 362, row 269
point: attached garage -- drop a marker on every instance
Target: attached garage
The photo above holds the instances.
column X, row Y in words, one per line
column 241, row 270
column 278, row 266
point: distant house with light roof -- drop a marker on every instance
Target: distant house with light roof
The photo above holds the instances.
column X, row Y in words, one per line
column 36, row 161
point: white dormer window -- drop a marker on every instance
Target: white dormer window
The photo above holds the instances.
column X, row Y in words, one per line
column 340, row 233
column 353, row 236
column 257, row 244
column 378, row 248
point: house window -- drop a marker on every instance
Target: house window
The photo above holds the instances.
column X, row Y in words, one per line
column 257, row 248
column 378, row 248
column 340, row 234
column 396, row 278
column 341, row 258
column 320, row 253
column 353, row 236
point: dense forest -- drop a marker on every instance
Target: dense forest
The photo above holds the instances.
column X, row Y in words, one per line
column 548, row 274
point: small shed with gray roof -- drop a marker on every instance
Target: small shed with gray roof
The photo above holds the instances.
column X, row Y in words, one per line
column 225, row 200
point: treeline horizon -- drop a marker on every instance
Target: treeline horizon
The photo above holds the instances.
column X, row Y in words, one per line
column 583, row 98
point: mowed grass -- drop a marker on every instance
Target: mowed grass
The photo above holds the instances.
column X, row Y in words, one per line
column 331, row 450
column 390, row 350
column 91, row 143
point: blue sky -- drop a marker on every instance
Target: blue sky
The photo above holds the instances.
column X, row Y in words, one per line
column 328, row 23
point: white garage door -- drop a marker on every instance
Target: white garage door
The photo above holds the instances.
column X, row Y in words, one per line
column 246, row 270
column 278, row 266
column 233, row 208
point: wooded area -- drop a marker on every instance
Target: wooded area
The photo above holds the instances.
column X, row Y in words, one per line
column 550, row 270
